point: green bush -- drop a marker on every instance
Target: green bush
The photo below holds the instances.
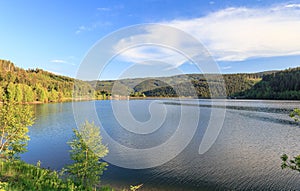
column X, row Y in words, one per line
column 294, row 163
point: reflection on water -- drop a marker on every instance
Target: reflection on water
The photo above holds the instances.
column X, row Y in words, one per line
column 246, row 155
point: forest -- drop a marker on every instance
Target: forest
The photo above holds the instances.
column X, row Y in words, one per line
column 37, row 85
column 279, row 85
column 284, row 85
column 189, row 85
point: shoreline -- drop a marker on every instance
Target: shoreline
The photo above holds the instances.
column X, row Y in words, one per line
column 153, row 98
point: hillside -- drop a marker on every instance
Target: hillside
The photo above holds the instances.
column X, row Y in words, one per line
column 189, row 85
column 36, row 85
column 280, row 85
column 263, row 85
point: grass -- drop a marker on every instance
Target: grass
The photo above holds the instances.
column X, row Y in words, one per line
column 16, row 175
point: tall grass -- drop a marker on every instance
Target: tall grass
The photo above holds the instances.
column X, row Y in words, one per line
column 18, row 175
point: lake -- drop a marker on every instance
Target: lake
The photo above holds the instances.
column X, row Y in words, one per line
column 245, row 155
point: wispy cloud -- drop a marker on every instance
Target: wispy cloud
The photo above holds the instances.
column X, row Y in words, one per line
column 58, row 61
column 226, row 67
column 92, row 26
column 292, row 6
column 236, row 34
column 99, row 22
column 68, row 60
column 153, row 55
column 81, row 29
column 231, row 34
column 156, row 53
column 103, row 9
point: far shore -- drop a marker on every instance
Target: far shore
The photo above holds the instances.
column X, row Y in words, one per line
column 145, row 98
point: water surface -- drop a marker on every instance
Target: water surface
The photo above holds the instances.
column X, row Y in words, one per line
column 245, row 156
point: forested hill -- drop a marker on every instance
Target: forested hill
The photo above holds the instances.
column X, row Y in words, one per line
column 263, row 85
column 280, row 85
column 181, row 85
column 36, row 85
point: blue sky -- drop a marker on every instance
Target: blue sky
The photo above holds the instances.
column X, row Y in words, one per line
column 242, row 36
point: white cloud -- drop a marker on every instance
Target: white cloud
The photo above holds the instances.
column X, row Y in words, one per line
column 58, row 61
column 236, row 34
column 232, row 34
column 160, row 44
column 159, row 55
column 292, row 6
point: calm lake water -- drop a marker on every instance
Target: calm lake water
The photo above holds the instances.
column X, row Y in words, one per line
column 245, row 156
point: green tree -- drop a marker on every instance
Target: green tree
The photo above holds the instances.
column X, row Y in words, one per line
column 19, row 93
column 1, row 93
column 294, row 163
column 11, row 91
column 60, row 97
column 53, row 95
column 41, row 93
column 28, row 93
column 87, row 150
column 14, row 122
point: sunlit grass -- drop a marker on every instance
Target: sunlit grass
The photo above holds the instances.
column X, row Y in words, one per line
column 18, row 175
